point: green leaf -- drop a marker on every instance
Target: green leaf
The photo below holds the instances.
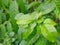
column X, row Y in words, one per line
column 27, row 18
column 32, row 34
column 3, row 30
column 18, row 16
column 57, row 13
column 34, row 39
column 9, row 27
column 49, row 32
column 24, row 19
column 41, row 41
column 19, row 35
column 13, row 10
column 27, row 31
column 49, row 21
column 7, row 41
column 57, row 10
column 39, row 21
column 46, row 7
column 38, row 29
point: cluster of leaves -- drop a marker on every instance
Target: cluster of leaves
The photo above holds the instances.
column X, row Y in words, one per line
column 30, row 22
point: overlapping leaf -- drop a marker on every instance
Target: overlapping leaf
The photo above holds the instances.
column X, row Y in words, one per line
column 49, row 32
